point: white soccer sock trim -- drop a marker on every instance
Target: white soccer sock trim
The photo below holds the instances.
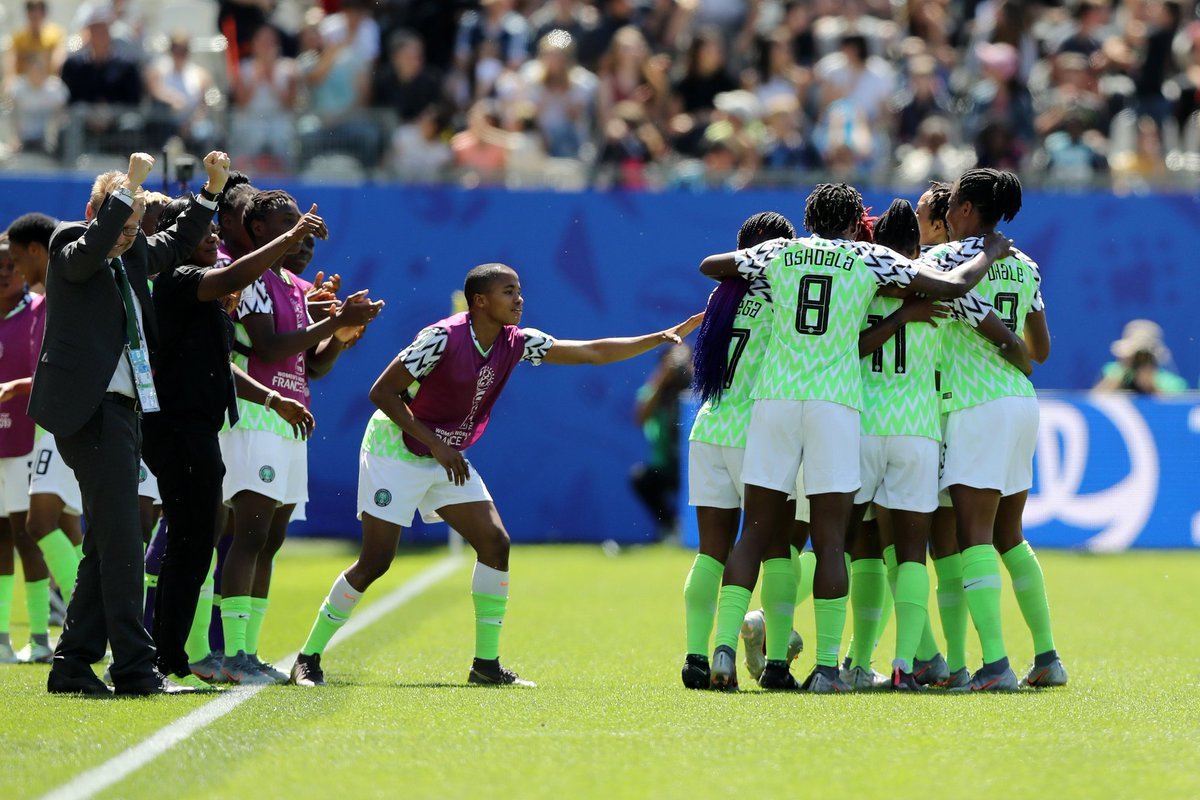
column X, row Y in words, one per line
column 485, row 580
column 343, row 596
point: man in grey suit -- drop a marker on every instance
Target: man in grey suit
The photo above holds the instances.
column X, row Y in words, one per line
column 90, row 388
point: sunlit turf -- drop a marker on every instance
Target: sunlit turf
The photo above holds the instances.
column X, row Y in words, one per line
column 603, row 637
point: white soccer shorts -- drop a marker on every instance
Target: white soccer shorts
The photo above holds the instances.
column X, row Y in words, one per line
column 804, row 508
column 393, row 490
column 14, row 484
column 49, row 474
column 148, row 484
column 900, row 472
column 990, row 446
column 715, row 475
column 785, row 433
column 264, row 463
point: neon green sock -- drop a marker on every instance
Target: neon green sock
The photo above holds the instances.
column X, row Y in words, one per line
column 912, row 603
column 197, row 645
column 37, row 601
column 489, row 615
column 700, row 602
column 779, row 605
column 889, row 597
column 868, row 585
column 981, row 586
column 258, row 614
column 6, row 597
column 1029, row 586
column 952, row 608
column 805, row 565
column 927, row 648
column 831, row 621
column 62, row 560
column 327, row 623
column 732, row 604
column 235, row 617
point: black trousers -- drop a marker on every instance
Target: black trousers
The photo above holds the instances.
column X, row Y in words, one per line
column 187, row 463
column 107, row 604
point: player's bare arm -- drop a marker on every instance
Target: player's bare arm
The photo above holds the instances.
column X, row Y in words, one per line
column 290, row 411
column 388, row 396
column 607, row 351
column 221, row 281
column 915, row 309
column 964, row 277
column 1037, row 336
column 271, row 345
column 1011, row 346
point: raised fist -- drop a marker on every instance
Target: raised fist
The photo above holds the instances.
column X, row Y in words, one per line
column 216, row 165
column 140, row 165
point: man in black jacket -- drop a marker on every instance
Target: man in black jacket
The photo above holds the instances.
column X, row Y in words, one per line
column 92, row 383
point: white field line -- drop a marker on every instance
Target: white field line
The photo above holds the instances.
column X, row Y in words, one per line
column 99, row 778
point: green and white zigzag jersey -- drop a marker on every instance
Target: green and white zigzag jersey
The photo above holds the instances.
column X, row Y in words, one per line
column 725, row 423
column 973, row 371
column 900, row 396
column 384, row 438
column 252, row 416
column 821, row 289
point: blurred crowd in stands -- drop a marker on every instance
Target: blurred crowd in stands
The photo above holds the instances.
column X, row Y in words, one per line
column 631, row 93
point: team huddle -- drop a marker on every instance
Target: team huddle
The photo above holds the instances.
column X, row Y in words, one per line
column 866, row 390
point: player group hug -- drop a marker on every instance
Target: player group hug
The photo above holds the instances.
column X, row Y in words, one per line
column 866, row 402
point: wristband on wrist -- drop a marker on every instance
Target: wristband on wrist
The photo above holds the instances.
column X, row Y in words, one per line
column 271, row 397
column 207, row 195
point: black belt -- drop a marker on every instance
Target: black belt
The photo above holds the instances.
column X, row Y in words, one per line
column 123, row 400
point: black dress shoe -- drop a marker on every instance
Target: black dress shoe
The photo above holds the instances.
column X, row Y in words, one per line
column 72, row 684
column 160, row 685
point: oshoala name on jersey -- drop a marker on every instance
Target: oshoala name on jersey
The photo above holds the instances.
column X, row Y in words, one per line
column 749, row 307
column 1007, row 271
column 817, row 257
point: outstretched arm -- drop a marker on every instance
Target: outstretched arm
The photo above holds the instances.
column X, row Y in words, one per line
column 964, row 277
column 607, row 351
column 272, row 345
column 388, row 396
column 216, row 283
column 915, row 309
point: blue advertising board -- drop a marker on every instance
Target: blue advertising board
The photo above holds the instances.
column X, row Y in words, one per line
column 1111, row 472
column 557, row 454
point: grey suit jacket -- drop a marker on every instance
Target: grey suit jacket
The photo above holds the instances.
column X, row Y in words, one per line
column 85, row 316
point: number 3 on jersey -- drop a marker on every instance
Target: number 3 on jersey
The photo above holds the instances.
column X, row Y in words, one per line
column 812, row 306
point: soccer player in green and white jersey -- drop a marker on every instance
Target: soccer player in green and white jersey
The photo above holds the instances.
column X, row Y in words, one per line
column 901, row 439
column 992, row 408
column 807, row 401
column 730, row 346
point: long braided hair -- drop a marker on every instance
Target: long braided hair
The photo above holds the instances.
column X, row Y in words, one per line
column 831, row 209
column 997, row 194
column 710, row 358
column 898, row 228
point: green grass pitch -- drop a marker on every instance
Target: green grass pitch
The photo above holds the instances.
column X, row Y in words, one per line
column 603, row 636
